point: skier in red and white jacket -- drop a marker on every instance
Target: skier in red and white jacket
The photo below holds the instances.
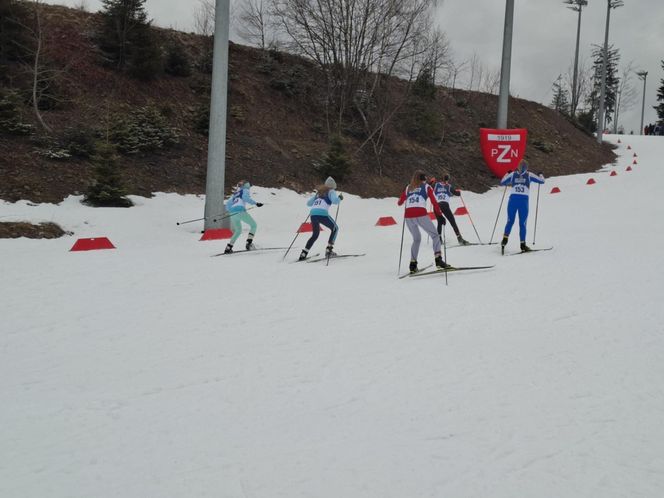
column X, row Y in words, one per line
column 416, row 195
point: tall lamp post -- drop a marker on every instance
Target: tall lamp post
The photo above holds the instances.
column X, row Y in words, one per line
column 576, row 6
column 610, row 4
column 503, row 99
column 643, row 75
column 216, row 167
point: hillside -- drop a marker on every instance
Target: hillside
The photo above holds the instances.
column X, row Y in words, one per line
column 276, row 126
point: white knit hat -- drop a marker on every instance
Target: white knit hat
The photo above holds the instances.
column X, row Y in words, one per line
column 330, row 183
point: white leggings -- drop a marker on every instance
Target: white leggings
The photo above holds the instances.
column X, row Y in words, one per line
column 425, row 223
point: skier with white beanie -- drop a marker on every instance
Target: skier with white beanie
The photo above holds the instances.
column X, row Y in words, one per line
column 320, row 203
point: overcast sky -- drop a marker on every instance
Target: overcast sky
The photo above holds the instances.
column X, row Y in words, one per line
column 543, row 44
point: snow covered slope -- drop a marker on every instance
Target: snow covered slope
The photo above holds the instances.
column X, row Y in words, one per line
column 155, row 370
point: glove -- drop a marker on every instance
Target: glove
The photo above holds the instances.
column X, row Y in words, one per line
column 341, row 197
column 259, row 204
column 444, row 221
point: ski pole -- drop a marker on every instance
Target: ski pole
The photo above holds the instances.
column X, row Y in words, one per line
column 445, row 251
column 403, row 229
column 193, row 221
column 336, row 215
column 498, row 215
column 536, row 212
column 231, row 214
column 470, row 218
column 215, row 218
column 297, row 234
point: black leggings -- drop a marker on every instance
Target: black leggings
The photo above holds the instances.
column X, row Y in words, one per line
column 316, row 222
column 445, row 208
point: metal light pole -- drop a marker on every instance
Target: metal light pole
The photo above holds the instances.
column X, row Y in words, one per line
column 610, row 4
column 644, row 76
column 577, row 6
column 503, row 99
column 216, row 168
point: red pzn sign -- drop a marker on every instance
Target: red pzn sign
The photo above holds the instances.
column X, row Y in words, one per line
column 503, row 149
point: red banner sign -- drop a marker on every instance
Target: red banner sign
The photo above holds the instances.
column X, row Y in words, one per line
column 503, row 149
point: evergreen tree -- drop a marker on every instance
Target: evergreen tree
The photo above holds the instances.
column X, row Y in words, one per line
column 587, row 119
column 125, row 37
column 424, row 86
column 147, row 62
column 660, row 99
column 177, row 60
column 560, row 101
column 612, row 82
column 15, row 41
column 334, row 163
column 108, row 189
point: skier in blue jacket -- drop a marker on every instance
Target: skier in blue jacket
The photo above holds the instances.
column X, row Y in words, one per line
column 320, row 204
column 519, row 181
column 236, row 207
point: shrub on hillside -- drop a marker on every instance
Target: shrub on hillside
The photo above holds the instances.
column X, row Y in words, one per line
column 545, row 147
column 144, row 129
column 334, row 162
column 202, row 119
column 422, row 121
column 11, row 119
column 291, row 80
column 177, row 60
column 79, row 141
column 108, row 189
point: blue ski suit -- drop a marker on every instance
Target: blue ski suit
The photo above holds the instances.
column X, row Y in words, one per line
column 518, row 201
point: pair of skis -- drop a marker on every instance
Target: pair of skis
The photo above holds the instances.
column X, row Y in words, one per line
column 249, row 250
column 529, row 251
column 314, row 258
column 423, row 271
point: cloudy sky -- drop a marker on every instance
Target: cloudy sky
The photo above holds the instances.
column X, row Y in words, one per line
column 543, row 45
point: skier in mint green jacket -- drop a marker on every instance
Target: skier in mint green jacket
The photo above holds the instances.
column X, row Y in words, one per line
column 237, row 208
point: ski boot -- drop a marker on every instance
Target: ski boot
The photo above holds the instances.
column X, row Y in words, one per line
column 250, row 243
column 503, row 243
column 229, row 249
column 462, row 241
column 329, row 251
column 525, row 248
column 303, row 255
column 440, row 264
column 413, row 267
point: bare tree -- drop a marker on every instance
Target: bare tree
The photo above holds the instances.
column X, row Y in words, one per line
column 583, row 83
column 437, row 56
column 204, row 17
column 40, row 77
column 255, row 23
column 491, row 81
column 627, row 96
column 475, row 66
column 454, row 70
column 358, row 45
